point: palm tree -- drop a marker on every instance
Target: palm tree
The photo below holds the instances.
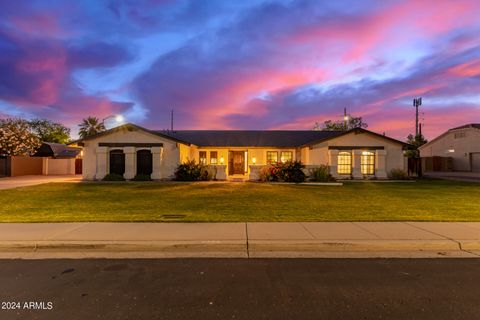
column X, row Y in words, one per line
column 90, row 126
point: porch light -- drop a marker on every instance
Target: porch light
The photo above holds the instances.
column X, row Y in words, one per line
column 451, row 150
column 254, row 160
column 222, row 160
column 81, row 153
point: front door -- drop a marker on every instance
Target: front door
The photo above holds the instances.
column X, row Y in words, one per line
column 236, row 162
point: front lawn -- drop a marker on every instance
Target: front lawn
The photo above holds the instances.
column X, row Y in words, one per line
column 150, row 201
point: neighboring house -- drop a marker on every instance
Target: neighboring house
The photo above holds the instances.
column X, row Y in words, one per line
column 129, row 150
column 458, row 149
column 49, row 159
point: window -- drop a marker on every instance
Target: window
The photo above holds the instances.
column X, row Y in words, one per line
column 213, row 157
column 460, row 134
column 367, row 162
column 344, row 163
column 202, row 156
column 286, row 156
column 272, row 157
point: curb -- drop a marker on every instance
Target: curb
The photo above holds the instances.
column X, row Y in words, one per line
column 234, row 246
column 240, row 248
column 354, row 245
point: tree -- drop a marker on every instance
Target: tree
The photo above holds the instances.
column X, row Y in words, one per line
column 330, row 125
column 16, row 138
column 90, row 126
column 415, row 141
column 49, row 131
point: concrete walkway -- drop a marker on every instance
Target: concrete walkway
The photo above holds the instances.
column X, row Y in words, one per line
column 456, row 176
column 312, row 239
column 25, row 181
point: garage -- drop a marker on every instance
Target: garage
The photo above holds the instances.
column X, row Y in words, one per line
column 475, row 158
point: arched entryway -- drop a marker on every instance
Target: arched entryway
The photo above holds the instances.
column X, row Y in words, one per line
column 117, row 162
column 144, row 162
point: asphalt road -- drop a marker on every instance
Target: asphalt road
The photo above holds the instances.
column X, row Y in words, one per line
column 241, row 289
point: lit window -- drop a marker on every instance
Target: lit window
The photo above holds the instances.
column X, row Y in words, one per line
column 367, row 162
column 213, row 157
column 272, row 157
column 286, row 156
column 202, row 156
column 344, row 165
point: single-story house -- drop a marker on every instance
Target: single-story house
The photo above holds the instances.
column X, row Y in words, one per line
column 457, row 149
column 238, row 154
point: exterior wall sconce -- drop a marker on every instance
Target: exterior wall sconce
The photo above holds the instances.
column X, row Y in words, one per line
column 222, row 160
column 254, row 160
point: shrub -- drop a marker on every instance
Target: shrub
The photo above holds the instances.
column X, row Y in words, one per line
column 206, row 173
column 321, row 174
column 290, row 171
column 113, row 177
column 266, row 174
column 398, row 174
column 142, row 177
column 188, row 171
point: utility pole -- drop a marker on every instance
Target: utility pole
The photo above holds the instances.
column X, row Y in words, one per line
column 345, row 118
column 417, row 102
column 171, row 121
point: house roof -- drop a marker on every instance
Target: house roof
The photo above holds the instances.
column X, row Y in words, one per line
column 263, row 138
column 250, row 138
column 470, row 125
column 244, row 138
column 130, row 127
column 465, row 126
column 56, row 150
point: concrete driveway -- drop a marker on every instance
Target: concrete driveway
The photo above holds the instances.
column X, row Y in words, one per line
column 24, row 181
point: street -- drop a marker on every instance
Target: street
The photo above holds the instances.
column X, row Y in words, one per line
column 240, row 289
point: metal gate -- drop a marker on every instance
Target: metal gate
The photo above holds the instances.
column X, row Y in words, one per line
column 4, row 166
column 415, row 167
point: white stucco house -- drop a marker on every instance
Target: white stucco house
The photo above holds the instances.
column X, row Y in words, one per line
column 238, row 154
column 458, row 147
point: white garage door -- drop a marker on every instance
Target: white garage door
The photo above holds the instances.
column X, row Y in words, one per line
column 476, row 162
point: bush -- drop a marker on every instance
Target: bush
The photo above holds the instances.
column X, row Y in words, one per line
column 190, row 171
column 398, row 174
column 113, row 177
column 290, row 171
column 142, row 177
column 321, row 174
column 206, row 173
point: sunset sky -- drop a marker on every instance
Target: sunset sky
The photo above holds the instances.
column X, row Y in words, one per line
column 220, row 64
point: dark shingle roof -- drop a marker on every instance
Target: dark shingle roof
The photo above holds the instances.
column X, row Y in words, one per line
column 56, row 150
column 250, row 138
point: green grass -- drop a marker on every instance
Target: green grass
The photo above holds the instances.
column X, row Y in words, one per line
column 148, row 201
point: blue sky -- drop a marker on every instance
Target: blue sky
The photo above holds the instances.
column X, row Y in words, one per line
column 242, row 64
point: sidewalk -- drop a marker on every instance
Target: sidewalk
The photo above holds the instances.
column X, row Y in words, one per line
column 248, row 240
